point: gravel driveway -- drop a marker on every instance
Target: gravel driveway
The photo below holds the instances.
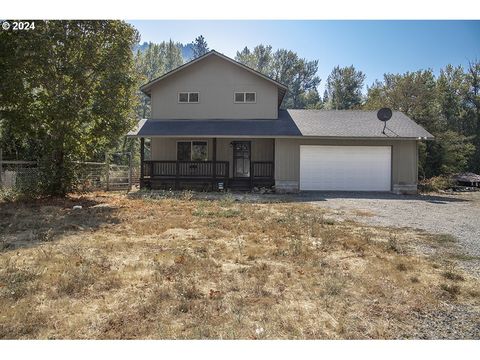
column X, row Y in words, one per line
column 458, row 215
column 455, row 214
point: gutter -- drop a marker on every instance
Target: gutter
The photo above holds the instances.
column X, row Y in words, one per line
column 282, row 137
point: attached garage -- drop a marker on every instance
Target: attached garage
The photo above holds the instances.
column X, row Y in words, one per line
column 345, row 168
column 348, row 150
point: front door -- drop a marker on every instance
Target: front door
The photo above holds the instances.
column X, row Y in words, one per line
column 241, row 159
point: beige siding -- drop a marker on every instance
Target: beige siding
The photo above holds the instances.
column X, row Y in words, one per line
column 166, row 149
column 216, row 80
column 262, row 149
column 405, row 163
column 287, row 158
column 225, row 153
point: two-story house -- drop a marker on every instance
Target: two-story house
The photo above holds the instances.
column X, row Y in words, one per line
column 218, row 123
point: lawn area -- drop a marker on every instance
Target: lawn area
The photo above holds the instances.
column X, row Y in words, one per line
column 174, row 266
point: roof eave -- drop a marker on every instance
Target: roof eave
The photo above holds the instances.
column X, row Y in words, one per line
column 136, row 135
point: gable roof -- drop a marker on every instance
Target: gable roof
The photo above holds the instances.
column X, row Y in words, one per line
column 282, row 89
column 291, row 123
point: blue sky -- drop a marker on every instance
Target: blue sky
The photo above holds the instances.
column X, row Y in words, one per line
column 375, row 47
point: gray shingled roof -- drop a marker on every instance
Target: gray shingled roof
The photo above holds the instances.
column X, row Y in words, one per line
column 305, row 123
column 355, row 123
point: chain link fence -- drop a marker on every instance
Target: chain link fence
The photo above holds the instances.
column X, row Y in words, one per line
column 24, row 176
column 21, row 176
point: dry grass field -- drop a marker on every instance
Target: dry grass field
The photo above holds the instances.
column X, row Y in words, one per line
column 178, row 267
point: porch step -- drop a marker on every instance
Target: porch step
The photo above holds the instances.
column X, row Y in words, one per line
column 239, row 184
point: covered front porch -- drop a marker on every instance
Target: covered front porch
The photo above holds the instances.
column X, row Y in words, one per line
column 207, row 163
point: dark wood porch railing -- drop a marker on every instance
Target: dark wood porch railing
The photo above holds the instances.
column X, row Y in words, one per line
column 262, row 169
column 185, row 169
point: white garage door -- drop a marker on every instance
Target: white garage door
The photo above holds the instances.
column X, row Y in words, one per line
column 345, row 168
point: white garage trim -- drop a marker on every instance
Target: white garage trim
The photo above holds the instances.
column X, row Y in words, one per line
column 345, row 168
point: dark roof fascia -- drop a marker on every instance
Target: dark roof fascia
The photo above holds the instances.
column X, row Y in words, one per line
column 282, row 137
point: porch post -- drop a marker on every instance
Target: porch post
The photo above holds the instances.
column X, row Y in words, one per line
column 177, row 174
column 251, row 164
column 273, row 166
column 142, row 158
column 214, row 158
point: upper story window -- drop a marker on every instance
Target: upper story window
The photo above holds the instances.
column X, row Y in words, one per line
column 188, row 97
column 245, row 97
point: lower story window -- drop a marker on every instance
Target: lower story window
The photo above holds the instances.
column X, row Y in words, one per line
column 192, row 151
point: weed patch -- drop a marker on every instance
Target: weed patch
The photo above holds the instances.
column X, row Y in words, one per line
column 169, row 265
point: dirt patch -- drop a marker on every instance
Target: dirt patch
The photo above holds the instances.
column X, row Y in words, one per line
column 184, row 234
column 364, row 213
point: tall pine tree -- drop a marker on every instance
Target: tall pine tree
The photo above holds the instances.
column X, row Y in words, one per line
column 154, row 61
column 286, row 67
column 199, row 47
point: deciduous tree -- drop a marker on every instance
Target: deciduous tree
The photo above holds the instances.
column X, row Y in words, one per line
column 344, row 88
column 68, row 87
column 441, row 106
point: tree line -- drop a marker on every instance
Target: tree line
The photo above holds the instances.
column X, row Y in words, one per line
column 69, row 91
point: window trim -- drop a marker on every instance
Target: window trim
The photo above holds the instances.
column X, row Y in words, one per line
column 188, row 97
column 244, row 97
column 191, row 147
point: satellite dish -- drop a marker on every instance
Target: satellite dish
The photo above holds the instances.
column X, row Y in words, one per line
column 384, row 114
